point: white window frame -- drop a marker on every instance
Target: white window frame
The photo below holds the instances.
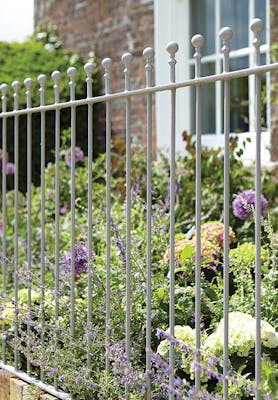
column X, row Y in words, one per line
column 172, row 23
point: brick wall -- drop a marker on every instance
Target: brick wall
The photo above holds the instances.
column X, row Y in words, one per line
column 274, row 79
column 13, row 388
column 107, row 28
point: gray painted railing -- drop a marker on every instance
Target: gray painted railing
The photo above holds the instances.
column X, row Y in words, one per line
column 226, row 76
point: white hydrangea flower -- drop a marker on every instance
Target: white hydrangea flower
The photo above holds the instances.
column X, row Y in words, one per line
column 242, row 332
column 185, row 334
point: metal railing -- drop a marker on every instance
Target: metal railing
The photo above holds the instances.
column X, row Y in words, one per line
column 148, row 92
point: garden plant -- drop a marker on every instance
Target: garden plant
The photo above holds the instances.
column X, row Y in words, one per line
column 63, row 357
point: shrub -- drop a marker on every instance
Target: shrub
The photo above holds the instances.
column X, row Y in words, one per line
column 30, row 59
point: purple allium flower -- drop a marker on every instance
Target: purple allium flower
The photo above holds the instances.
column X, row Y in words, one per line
column 64, row 209
column 244, row 204
column 50, row 192
column 80, row 259
column 10, row 168
column 79, row 156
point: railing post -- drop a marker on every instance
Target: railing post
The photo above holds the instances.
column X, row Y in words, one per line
column 127, row 59
column 16, row 87
column 89, row 68
column 72, row 73
column 28, row 84
column 4, row 90
column 172, row 48
column 148, row 53
column 106, row 63
column 226, row 35
column 42, row 81
column 257, row 26
column 198, row 42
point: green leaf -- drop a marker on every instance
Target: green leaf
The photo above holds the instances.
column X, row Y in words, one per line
column 187, row 252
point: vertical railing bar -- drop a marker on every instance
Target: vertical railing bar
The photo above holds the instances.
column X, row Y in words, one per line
column 4, row 89
column 72, row 73
column 28, row 84
column 106, row 63
column 89, row 67
column 172, row 48
column 127, row 58
column 256, row 26
column 56, row 76
column 197, row 42
column 148, row 53
column 16, row 87
column 42, row 81
column 268, row 61
column 218, row 84
column 225, row 35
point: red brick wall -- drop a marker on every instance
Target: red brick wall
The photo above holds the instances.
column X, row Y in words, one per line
column 274, row 79
column 108, row 28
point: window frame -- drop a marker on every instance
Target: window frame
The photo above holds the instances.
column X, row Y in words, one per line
column 168, row 27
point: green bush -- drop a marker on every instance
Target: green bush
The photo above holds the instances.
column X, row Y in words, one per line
column 30, row 59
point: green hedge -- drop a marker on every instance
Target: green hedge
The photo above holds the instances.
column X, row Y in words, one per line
column 30, row 59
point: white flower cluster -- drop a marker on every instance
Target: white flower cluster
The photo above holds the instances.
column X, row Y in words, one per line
column 185, row 336
column 242, row 331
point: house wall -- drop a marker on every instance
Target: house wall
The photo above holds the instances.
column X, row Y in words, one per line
column 108, row 29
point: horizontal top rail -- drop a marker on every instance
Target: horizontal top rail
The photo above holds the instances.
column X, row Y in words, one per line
column 144, row 91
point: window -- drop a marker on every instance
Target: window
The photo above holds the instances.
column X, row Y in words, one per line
column 207, row 17
column 179, row 20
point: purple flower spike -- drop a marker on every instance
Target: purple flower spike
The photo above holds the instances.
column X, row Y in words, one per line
column 80, row 259
column 244, row 204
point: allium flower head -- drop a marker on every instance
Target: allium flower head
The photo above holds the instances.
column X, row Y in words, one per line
column 80, row 259
column 244, row 204
column 79, row 156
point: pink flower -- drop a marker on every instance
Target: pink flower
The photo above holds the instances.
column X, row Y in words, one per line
column 79, row 156
column 10, row 168
column 64, row 209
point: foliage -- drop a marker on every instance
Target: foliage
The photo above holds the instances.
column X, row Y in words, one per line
column 30, row 59
column 46, row 339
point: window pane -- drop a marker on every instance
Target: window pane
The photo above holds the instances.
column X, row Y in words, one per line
column 208, row 102
column 235, row 15
column 239, row 98
column 260, row 12
column 202, row 22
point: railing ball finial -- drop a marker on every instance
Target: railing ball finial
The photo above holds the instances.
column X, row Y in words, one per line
column 172, row 48
column 28, row 83
column 89, row 68
column 72, row 71
column 256, row 26
column 42, row 80
column 127, row 58
column 106, row 63
column 4, row 89
column 198, row 41
column 16, row 86
column 148, row 53
column 225, row 34
column 56, row 76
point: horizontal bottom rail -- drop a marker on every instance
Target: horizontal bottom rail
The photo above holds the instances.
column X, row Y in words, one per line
column 46, row 388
